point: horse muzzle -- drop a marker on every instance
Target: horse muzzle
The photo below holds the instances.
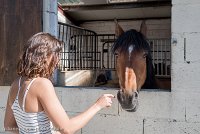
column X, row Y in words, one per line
column 128, row 102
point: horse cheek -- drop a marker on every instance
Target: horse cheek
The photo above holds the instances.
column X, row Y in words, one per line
column 119, row 73
column 143, row 75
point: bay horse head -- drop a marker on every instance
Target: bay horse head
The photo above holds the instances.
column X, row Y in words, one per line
column 134, row 65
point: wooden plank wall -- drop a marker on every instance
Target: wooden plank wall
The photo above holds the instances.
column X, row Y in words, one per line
column 19, row 19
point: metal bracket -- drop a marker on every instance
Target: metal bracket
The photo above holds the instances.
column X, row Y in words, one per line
column 185, row 59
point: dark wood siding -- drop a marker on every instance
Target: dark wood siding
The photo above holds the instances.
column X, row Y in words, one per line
column 19, row 19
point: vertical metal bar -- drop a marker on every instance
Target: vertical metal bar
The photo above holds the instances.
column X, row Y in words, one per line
column 84, row 37
column 95, row 52
column 165, row 57
column 153, row 52
column 69, row 49
column 92, row 39
column 75, row 49
column 170, row 49
column 86, row 50
column 80, row 48
column 91, row 53
column 108, row 53
column 104, row 64
column 63, row 32
column 161, row 57
column 59, row 31
column 61, row 51
column 157, row 58
column 72, row 48
column 166, row 51
column 112, row 53
column 114, row 57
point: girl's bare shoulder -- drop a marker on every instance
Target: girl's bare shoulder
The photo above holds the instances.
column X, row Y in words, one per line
column 43, row 81
column 43, row 85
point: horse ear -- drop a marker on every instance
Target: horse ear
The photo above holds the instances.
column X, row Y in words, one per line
column 143, row 28
column 118, row 29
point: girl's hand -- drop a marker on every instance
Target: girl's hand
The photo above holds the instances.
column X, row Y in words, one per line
column 104, row 101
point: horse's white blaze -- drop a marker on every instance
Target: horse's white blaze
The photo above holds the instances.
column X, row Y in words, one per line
column 130, row 49
column 130, row 80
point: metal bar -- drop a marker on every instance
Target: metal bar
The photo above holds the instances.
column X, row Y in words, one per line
column 94, row 53
column 69, row 50
column 162, row 63
column 87, row 51
column 75, row 55
column 157, row 58
column 92, row 47
column 165, row 56
column 77, row 66
column 67, row 46
column 80, row 49
column 63, row 32
column 153, row 55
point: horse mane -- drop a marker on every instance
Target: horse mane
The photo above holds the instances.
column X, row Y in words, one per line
column 150, row 82
column 133, row 37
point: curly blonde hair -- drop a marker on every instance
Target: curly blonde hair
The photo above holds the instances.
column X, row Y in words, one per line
column 34, row 60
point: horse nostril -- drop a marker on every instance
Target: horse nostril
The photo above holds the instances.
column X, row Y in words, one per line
column 120, row 96
column 130, row 99
column 136, row 94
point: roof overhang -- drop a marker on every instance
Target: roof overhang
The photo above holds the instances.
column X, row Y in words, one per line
column 142, row 9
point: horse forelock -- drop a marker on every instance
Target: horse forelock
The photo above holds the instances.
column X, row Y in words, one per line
column 130, row 38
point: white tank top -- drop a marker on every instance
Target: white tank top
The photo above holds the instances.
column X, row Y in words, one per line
column 30, row 123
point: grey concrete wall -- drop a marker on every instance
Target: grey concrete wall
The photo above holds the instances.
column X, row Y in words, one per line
column 185, row 53
column 159, row 112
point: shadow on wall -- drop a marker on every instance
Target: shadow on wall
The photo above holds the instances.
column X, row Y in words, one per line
column 107, row 78
column 88, row 78
column 77, row 78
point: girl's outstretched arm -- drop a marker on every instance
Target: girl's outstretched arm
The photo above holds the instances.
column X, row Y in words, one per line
column 57, row 114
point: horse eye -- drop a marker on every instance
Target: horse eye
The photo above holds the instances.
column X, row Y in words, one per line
column 145, row 55
column 116, row 55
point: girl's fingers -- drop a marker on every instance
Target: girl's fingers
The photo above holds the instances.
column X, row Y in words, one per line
column 109, row 95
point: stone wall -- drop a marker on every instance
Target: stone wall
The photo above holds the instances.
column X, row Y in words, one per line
column 159, row 112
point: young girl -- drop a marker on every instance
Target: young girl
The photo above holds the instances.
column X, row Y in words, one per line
column 32, row 105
